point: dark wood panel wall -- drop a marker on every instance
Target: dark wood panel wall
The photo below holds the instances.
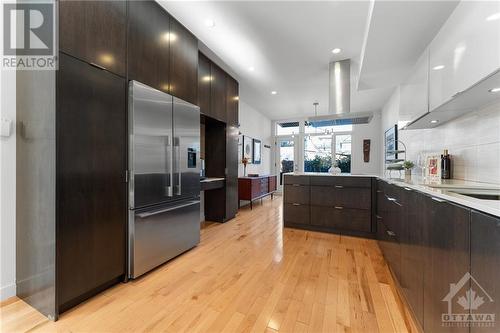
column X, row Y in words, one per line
column 218, row 98
column 102, row 45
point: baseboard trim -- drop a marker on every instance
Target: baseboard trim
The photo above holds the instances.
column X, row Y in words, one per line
column 7, row 292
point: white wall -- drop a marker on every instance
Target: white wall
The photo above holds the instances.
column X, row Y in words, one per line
column 473, row 140
column 255, row 125
column 8, row 188
column 359, row 133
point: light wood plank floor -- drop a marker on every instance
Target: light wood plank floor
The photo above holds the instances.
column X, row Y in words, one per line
column 248, row 275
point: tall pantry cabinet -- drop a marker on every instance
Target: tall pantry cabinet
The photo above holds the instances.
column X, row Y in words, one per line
column 72, row 145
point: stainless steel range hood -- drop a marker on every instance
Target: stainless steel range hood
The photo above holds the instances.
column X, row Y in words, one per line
column 340, row 87
column 339, row 107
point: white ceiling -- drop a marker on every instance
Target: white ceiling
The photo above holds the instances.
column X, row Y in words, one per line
column 289, row 44
column 398, row 33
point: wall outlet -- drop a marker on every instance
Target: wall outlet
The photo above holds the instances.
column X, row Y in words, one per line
column 5, row 127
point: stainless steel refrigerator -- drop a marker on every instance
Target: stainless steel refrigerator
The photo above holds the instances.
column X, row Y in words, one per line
column 164, row 185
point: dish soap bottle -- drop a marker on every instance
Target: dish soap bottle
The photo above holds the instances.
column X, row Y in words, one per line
column 445, row 165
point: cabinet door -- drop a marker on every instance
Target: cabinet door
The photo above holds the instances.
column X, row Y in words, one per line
column 94, row 31
column 232, row 100
column 232, row 133
column 183, row 63
column 414, row 100
column 218, row 93
column 485, row 265
column 148, row 44
column 412, row 252
column 447, row 236
column 467, row 47
column 91, row 189
column 204, row 80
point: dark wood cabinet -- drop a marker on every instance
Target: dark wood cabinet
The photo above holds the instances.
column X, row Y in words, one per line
column 94, row 31
column 204, row 78
column 485, row 265
column 232, row 160
column 183, row 63
column 390, row 246
column 91, row 189
column 447, row 237
column 149, row 38
column 253, row 188
column 218, row 93
column 232, row 100
column 412, row 252
column 335, row 203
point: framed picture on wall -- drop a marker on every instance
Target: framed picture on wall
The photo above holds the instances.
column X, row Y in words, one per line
column 248, row 148
column 391, row 143
column 257, row 151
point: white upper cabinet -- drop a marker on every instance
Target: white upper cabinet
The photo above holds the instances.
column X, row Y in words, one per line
column 415, row 91
column 466, row 50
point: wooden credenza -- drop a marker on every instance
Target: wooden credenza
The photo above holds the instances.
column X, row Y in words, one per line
column 253, row 188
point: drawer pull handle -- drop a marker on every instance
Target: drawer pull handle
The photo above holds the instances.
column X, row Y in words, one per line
column 338, row 207
column 379, row 191
column 296, row 185
column 296, row 204
column 339, row 186
column 437, row 199
column 379, row 217
column 391, row 233
column 408, row 189
column 98, row 66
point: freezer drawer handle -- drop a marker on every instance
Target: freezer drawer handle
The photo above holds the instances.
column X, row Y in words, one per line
column 143, row 215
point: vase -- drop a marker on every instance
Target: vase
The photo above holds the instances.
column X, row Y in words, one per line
column 407, row 172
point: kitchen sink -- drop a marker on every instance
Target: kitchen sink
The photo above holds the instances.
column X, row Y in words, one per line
column 479, row 194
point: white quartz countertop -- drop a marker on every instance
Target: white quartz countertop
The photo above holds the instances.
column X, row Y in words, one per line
column 327, row 174
column 440, row 189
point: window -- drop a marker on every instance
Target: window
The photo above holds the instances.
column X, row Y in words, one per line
column 317, row 153
column 287, row 128
column 325, row 127
column 343, row 151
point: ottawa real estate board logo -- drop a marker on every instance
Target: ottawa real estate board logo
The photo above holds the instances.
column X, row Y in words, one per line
column 28, row 35
column 469, row 305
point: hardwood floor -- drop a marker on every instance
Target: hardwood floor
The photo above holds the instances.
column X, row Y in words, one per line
column 248, row 275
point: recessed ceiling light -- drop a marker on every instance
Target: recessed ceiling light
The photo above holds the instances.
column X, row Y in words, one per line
column 251, row 68
column 210, row 23
column 434, row 121
column 493, row 17
column 494, row 90
column 274, row 92
column 336, row 50
column 438, row 67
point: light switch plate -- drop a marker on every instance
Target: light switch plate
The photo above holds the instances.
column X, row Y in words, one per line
column 5, row 127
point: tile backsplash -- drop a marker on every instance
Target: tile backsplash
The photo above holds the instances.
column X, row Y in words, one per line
column 473, row 141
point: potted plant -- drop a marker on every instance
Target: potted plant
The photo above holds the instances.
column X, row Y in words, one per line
column 408, row 165
column 244, row 160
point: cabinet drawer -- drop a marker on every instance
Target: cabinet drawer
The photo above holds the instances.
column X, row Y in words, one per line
column 347, row 219
column 301, row 180
column 296, row 194
column 347, row 197
column 296, row 213
column 390, row 248
column 345, row 181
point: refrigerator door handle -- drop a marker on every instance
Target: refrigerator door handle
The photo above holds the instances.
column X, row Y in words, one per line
column 161, row 211
column 178, row 166
column 170, row 166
